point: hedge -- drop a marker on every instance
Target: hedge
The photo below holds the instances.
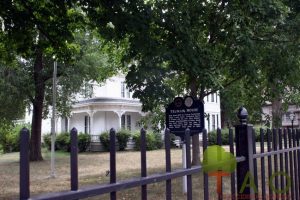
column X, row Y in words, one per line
column 212, row 136
column 63, row 142
column 10, row 137
column 122, row 137
column 153, row 141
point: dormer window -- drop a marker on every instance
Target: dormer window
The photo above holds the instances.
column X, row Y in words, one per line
column 124, row 90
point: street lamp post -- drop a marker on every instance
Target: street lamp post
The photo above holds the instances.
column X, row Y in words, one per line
column 292, row 118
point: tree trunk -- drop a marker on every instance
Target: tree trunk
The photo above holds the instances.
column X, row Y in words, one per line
column 195, row 138
column 36, row 126
column 277, row 113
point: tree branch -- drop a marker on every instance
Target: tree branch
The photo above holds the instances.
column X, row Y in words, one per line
column 224, row 86
column 38, row 24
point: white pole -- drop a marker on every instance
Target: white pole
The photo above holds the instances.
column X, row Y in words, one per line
column 184, row 178
column 53, row 121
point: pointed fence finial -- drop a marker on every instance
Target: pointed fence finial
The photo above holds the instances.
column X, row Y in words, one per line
column 242, row 115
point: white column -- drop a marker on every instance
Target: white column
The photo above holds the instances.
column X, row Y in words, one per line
column 68, row 123
column 120, row 113
column 91, row 114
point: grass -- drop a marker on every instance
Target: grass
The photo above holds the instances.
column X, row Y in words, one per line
column 92, row 170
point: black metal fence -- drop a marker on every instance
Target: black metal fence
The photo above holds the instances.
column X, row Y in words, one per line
column 266, row 169
column 114, row 186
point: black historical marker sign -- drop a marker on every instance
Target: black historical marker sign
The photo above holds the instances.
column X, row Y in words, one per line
column 185, row 113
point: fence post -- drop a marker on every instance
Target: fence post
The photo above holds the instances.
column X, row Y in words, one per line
column 244, row 148
column 168, row 164
column 24, row 164
column 112, row 150
column 143, row 162
column 74, row 160
column 188, row 164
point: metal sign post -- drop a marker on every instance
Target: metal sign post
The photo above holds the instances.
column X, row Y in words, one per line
column 53, row 121
column 181, row 114
column 184, row 178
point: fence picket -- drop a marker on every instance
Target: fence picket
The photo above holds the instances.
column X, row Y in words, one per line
column 112, row 150
column 262, row 164
column 205, row 175
column 143, row 163
column 298, row 157
column 232, row 175
column 188, row 164
column 275, row 159
column 286, row 161
column 296, row 178
column 168, row 164
column 219, row 142
column 74, row 160
column 282, row 187
column 255, row 162
column 24, row 164
column 269, row 160
column 291, row 164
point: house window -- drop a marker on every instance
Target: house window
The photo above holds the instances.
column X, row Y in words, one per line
column 66, row 124
column 123, row 122
column 216, row 97
column 218, row 121
column 86, row 124
column 208, row 123
column 213, row 122
column 126, row 122
column 207, row 98
column 123, row 87
column 212, row 97
column 128, row 117
column 127, row 93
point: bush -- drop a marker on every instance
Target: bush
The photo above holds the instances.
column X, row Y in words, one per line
column 47, row 141
column 122, row 137
column 212, row 137
column 84, row 141
column 63, row 142
column 10, row 137
column 153, row 141
column 104, row 139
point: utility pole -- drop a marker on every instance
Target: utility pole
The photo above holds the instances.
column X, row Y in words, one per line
column 53, row 121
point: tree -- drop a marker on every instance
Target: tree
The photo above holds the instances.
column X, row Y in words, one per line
column 277, row 77
column 35, row 32
column 208, row 44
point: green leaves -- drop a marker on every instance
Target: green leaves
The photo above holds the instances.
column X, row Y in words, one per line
column 216, row 159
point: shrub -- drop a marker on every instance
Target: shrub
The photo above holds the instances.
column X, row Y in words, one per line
column 63, row 142
column 84, row 141
column 212, row 137
column 10, row 137
column 122, row 137
column 47, row 141
column 153, row 141
column 104, row 139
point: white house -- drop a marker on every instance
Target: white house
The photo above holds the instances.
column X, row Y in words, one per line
column 111, row 105
column 291, row 118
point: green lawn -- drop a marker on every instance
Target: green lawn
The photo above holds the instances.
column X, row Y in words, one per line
column 92, row 170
